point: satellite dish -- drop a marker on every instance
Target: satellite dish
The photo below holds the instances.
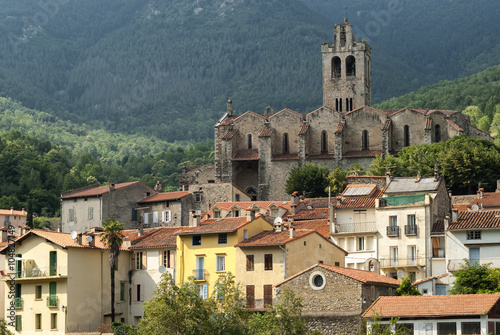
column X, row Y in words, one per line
column 475, row 207
column 278, row 220
column 73, row 234
column 401, row 274
column 162, row 269
column 89, row 239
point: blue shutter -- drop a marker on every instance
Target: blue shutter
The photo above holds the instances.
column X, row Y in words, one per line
column 474, row 255
column 205, row 291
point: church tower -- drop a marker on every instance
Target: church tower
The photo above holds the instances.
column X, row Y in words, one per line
column 346, row 71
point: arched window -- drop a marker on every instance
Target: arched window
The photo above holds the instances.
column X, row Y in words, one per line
column 437, row 133
column 252, row 193
column 350, row 66
column 324, row 141
column 336, row 67
column 407, row 135
column 365, row 141
column 249, row 141
column 286, row 148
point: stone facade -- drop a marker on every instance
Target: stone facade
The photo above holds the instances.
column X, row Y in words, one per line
column 163, row 210
column 256, row 151
column 206, row 195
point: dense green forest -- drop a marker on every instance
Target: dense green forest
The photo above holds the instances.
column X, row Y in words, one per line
column 165, row 69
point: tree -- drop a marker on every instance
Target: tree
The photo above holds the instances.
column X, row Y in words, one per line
column 381, row 165
column 3, row 328
column 310, row 180
column 29, row 215
column 476, row 279
column 113, row 237
column 336, row 181
column 406, row 288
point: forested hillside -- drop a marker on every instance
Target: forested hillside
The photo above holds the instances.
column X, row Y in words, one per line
column 164, row 69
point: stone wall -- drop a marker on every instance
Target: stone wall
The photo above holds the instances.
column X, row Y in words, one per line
column 215, row 192
column 335, row 325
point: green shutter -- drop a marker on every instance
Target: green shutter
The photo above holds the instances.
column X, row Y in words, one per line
column 19, row 266
column 53, row 263
column 19, row 322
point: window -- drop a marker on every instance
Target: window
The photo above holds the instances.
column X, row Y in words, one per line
column 38, row 292
column 446, row 328
column 406, row 131
column 19, row 266
column 217, row 214
column 122, row 291
column 18, row 302
column 365, row 140
column 275, row 211
column 167, row 216
column 203, row 291
column 394, row 256
column 71, row 215
column 317, row 280
column 236, row 213
column 53, row 263
column 52, row 299
column 221, row 263
column 268, row 261
column 324, row 141
column 350, row 66
column 250, row 296
column 200, row 268
column 196, row 239
column 361, row 243
column 139, row 292
column 38, row 321
column 90, row 213
column 145, row 219
column 393, row 220
column 470, row 328
column 134, row 214
column 412, row 255
column 197, row 197
column 337, row 105
column 474, row 255
column 249, row 139
column 250, row 263
column 166, row 259
column 286, row 148
column 222, row 238
column 411, row 220
column 497, row 325
column 245, row 234
column 336, row 67
column 437, row 133
column 155, row 217
column 138, row 260
column 440, row 289
column 474, row 235
column 237, row 197
column 405, row 328
column 53, row 321
column 268, row 295
column 19, row 322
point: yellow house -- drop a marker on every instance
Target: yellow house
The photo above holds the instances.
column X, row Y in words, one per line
column 58, row 284
column 207, row 250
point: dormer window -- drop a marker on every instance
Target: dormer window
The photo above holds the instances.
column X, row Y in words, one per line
column 274, row 211
column 217, row 214
column 236, row 212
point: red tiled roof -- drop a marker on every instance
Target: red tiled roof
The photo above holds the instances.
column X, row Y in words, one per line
column 230, row 134
column 489, row 199
column 227, row 205
column 246, row 155
column 454, row 125
column 321, row 156
column 429, row 278
column 460, row 207
column 428, row 123
column 17, row 213
column 273, row 238
column 165, row 196
column 311, row 214
column 363, row 153
column 359, row 202
column 476, row 220
column 442, row 111
column 340, row 127
column 283, row 111
column 214, row 226
column 320, row 225
column 158, row 238
column 438, row 227
column 387, row 125
column 228, row 120
column 432, row 305
column 365, row 277
column 267, row 132
column 285, row 157
column 304, row 128
column 97, row 190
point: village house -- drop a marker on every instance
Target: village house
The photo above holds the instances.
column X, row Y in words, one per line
column 438, row 314
column 13, row 218
column 165, row 209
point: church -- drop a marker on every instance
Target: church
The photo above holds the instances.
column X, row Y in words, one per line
column 255, row 152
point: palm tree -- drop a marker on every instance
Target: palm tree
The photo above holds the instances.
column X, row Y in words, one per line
column 113, row 237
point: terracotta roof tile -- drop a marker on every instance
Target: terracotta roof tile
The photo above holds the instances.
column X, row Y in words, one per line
column 489, row 199
column 272, row 238
column 158, row 238
column 428, row 123
column 321, row 156
column 432, row 306
column 267, row 132
column 363, row 153
column 454, row 125
column 359, row 202
column 246, row 155
column 476, row 220
column 340, row 127
column 165, row 196
column 285, row 110
column 214, row 226
column 230, row 134
column 387, row 125
column 228, row 120
column 320, row 225
column 429, row 278
column 438, row 227
column 285, row 157
column 97, row 190
column 304, row 128
column 311, row 214
column 17, row 213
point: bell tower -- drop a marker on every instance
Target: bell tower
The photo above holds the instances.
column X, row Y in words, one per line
column 346, row 71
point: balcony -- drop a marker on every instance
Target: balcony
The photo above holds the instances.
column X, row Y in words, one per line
column 42, row 272
column 392, row 231
column 411, row 230
column 52, row 301
column 200, row 274
column 18, row 302
column 402, row 263
column 355, row 227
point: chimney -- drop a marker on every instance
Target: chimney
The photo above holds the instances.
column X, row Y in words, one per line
column 12, row 210
column 446, row 222
column 92, row 242
column 454, row 215
column 292, row 231
column 293, row 209
column 480, row 193
column 5, row 234
column 498, row 186
column 295, row 198
column 111, row 187
column 388, row 178
column 79, row 238
column 436, row 172
column 195, row 221
column 158, row 186
column 332, row 219
column 278, row 226
column 20, row 230
column 23, row 211
column 418, row 177
column 250, row 214
column 230, row 107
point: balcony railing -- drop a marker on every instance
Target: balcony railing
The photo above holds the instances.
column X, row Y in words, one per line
column 200, row 274
column 18, row 302
column 40, row 272
column 356, row 227
column 411, row 229
column 52, row 301
column 402, row 262
column 438, row 253
column 392, row 231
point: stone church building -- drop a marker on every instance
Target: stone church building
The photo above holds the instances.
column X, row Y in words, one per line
column 256, row 151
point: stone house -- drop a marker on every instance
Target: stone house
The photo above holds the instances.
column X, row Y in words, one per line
column 165, row 209
column 436, row 285
column 256, row 151
column 335, row 297
column 207, row 194
column 13, row 218
column 271, row 256
column 90, row 206
column 439, row 314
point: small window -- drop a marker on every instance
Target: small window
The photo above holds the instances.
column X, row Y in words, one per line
column 196, row 239
column 437, row 133
column 53, row 321
column 166, row 259
column 38, row 321
column 245, row 234
column 167, row 216
column 71, row 215
column 249, row 138
column 91, row 213
column 236, row 213
column 317, row 280
column 145, row 218
column 122, row 291
column 361, row 243
column 38, row 292
column 155, row 217
column 411, row 220
column 393, row 221
column 474, row 235
column 222, row 238
column 138, row 260
column 268, row 261
column 139, row 292
column 324, row 141
column 365, row 140
column 446, row 328
column 407, row 136
column 237, row 197
column 134, row 214
column 221, row 263
column 217, row 214
column 275, row 212
column 197, row 197
column 286, row 148
column 250, row 262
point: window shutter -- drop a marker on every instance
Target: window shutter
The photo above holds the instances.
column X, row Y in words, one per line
column 134, row 290
column 146, row 218
column 144, row 260
column 132, row 261
column 155, row 217
column 205, row 291
column 169, row 216
column 172, row 259
column 160, row 258
column 141, row 292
